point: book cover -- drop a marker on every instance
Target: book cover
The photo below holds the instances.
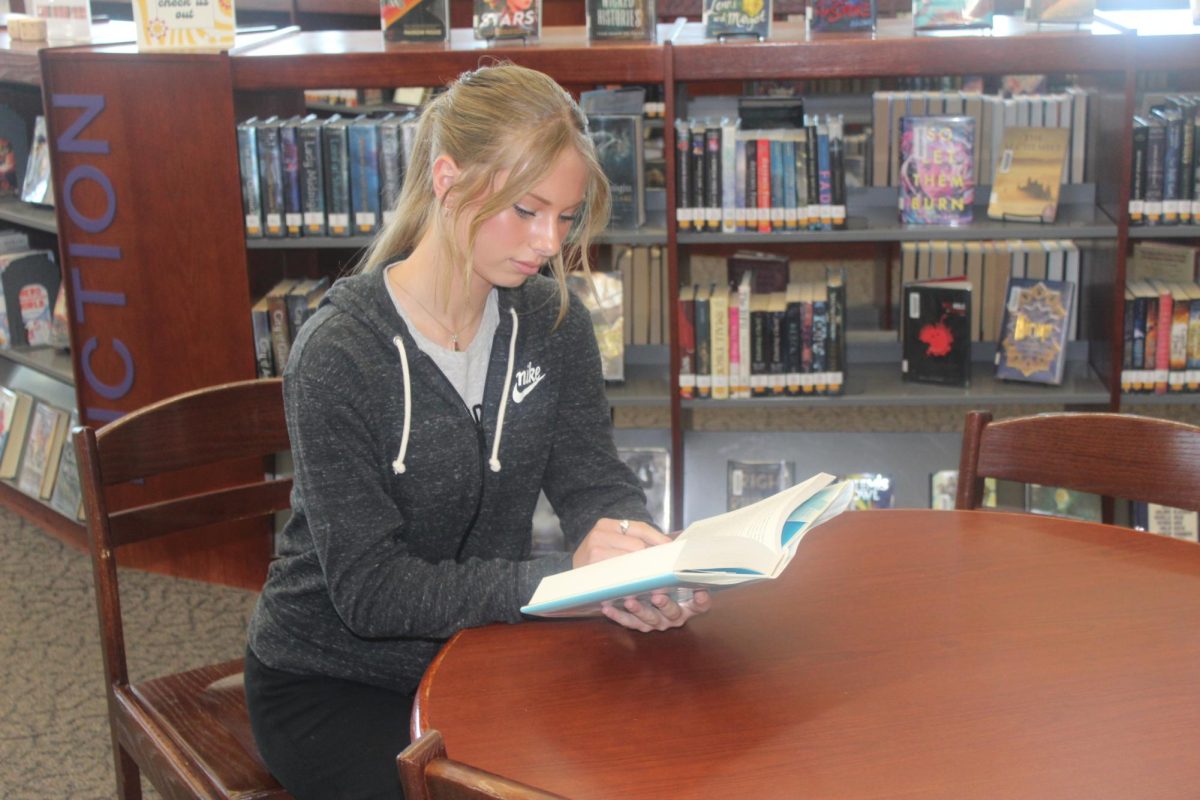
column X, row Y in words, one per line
column 289, row 148
column 1033, row 333
column 43, row 447
column 943, row 489
column 270, row 172
column 14, row 151
column 603, row 296
column 749, row 544
column 751, row 481
column 67, row 495
column 260, row 324
column 1060, row 10
column 184, row 25
column 842, row 15
column 1178, row 523
column 618, row 141
column 15, row 409
column 336, row 151
column 1059, row 502
column 621, row 19
column 723, row 18
column 1029, row 174
column 937, row 185
column 415, row 20
column 936, row 333
column 507, row 19
column 31, row 282
column 651, row 466
column 312, row 175
column 871, row 490
column 37, row 187
column 934, row 14
column 364, row 175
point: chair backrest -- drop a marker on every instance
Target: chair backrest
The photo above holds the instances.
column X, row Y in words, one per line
column 219, row 425
column 427, row 774
column 1114, row 455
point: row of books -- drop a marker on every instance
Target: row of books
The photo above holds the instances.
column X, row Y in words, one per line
column 277, row 316
column 307, row 176
column 730, row 178
column 988, row 266
column 1165, row 180
column 991, row 115
column 752, row 339
column 1162, row 336
column 36, row 452
column 936, row 321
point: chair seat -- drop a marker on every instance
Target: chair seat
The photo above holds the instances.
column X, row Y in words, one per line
column 204, row 712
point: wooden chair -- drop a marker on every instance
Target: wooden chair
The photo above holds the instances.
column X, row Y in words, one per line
column 427, row 774
column 188, row 732
column 1114, row 455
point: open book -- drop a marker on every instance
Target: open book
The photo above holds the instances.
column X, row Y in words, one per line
column 752, row 543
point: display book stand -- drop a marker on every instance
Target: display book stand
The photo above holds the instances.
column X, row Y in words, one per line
column 212, row 275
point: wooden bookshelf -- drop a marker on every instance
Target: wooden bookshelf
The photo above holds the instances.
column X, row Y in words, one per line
column 187, row 274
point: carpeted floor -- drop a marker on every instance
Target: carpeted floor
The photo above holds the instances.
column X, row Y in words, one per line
column 54, row 740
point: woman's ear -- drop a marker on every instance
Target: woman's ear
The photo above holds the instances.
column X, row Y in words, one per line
column 445, row 174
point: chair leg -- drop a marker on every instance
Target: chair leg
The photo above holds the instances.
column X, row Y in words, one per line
column 129, row 779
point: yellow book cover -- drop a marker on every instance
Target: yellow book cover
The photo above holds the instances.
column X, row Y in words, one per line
column 1029, row 174
column 184, row 24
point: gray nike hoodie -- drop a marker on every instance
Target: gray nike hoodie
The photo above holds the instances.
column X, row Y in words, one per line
column 411, row 514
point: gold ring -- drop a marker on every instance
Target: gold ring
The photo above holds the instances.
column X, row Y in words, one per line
column 624, row 525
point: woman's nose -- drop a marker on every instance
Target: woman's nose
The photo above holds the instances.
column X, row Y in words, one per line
column 547, row 238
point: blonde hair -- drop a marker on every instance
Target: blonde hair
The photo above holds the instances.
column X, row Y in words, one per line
column 493, row 119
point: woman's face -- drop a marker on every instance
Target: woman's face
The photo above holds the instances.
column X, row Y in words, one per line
column 515, row 243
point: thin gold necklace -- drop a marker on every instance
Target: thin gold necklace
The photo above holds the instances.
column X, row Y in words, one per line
column 453, row 333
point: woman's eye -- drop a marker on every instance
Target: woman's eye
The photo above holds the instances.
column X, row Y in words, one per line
column 569, row 219
column 523, row 213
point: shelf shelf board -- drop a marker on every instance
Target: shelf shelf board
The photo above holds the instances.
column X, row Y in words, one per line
column 1169, row 399
column 1164, row 231
column 642, row 236
column 28, row 215
column 877, row 224
column 881, row 385
column 363, row 59
column 49, row 361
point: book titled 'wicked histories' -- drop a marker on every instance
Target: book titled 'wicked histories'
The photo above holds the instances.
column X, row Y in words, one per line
column 937, row 158
column 1033, row 336
column 621, row 19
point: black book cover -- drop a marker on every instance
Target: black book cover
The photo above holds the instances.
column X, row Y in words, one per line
column 937, row 332
column 621, row 19
column 618, row 138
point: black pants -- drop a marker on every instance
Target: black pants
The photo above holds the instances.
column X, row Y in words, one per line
column 325, row 738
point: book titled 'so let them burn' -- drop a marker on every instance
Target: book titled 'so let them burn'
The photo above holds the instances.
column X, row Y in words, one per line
column 937, row 165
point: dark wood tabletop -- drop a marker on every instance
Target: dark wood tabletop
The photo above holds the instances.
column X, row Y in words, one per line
column 902, row 654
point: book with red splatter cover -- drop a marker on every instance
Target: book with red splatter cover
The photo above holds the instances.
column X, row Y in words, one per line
column 842, row 15
column 936, row 331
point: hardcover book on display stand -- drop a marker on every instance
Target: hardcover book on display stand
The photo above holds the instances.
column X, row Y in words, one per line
column 936, row 332
column 1029, row 174
column 618, row 141
column 1065, row 11
column 633, row 20
column 841, row 15
column 1059, row 502
column 43, row 448
column 751, row 481
column 940, row 14
column 937, row 164
column 602, row 293
column 415, row 20
column 507, row 19
column 871, row 490
column 1033, row 334
column 736, row 18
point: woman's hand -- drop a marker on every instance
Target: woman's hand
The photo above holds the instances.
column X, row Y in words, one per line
column 614, row 537
column 661, row 611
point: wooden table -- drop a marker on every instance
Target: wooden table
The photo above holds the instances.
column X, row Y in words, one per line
column 903, row 654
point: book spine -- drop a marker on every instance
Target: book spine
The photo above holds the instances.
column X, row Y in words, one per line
column 751, row 196
column 683, row 175
column 718, row 320
column 1162, row 352
column 391, row 167
column 1156, row 151
column 280, row 335
column 811, row 173
column 824, row 178
column 729, row 147
column 312, row 180
column 699, row 176
column 364, row 176
column 270, row 167
column 687, row 345
column 837, row 171
column 337, row 180
column 703, row 346
column 1137, row 180
column 260, row 320
column 764, row 184
column 1193, row 341
column 293, row 215
column 1180, row 313
column 820, row 338
column 758, row 352
column 835, row 350
column 248, row 166
column 776, row 341
column 793, row 344
column 712, row 174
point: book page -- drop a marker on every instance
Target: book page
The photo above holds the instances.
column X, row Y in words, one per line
column 761, row 522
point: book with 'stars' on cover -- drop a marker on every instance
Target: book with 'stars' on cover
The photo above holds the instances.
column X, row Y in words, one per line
column 749, row 544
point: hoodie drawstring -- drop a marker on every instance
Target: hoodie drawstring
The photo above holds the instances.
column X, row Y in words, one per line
column 398, row 464
column 494, row 463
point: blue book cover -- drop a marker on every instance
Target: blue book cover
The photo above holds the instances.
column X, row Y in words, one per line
column 364, row 175
column 293, row 214
column 1033, row 335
